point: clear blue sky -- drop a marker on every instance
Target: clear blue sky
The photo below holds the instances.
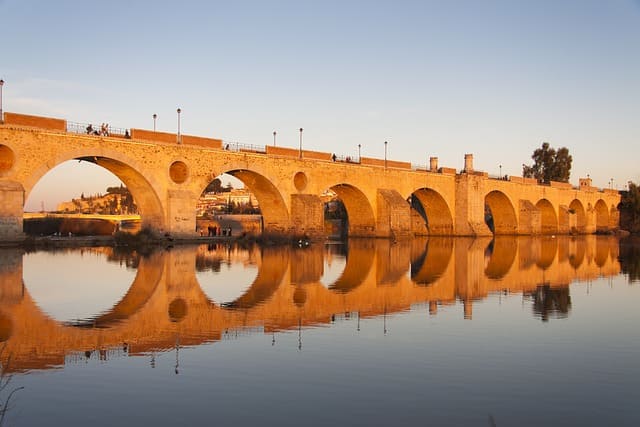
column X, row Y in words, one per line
column 434, row 78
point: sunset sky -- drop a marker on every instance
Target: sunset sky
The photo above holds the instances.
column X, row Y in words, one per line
column 434, row 78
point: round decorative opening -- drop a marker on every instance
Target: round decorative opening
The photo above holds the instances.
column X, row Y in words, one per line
column 177, row 310
column 300, row 181
column 6, row 158
column 299, row 296
column 178, row 172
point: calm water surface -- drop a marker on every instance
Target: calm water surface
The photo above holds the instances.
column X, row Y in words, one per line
column 435, row 332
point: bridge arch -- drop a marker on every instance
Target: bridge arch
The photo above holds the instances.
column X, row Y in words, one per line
column 602, row 216
column 579, row 221
column 359, row 261
column 548, row 217
column 145, row 284
column 360, row 217
column 127, row 170
column 432, row 263
column 502, row 254
column 273, row 266
column 503, row 215
column 548, row 251
column 273, row 207
column 434, row 210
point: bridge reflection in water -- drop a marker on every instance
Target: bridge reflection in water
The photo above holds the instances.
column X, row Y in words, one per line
column 166, row 307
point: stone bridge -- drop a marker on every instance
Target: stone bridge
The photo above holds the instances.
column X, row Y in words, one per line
column 166, row 307
column 167, row 173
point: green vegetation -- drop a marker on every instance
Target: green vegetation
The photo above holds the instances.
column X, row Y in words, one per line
column 630, row 208
column 215, row 186
column 141, row 239
column 549, row 164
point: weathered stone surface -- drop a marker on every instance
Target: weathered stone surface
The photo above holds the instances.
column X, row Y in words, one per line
column 166, row 179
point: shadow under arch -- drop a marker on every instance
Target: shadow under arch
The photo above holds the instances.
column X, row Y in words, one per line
column 576, row 208
column 548, row 217
column 435, row 211
column 359, row 256
column 602, row 216
column 150, row 271
column 360, row 217
column 503, row 254
column 145, row 195
column 274, row 265
column 433, row 262
column 502, row 212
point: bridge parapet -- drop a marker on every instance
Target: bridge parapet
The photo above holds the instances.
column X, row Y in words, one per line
column 35, row 121
column 166, row 179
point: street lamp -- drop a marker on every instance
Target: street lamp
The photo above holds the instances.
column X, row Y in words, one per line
column 179, row 139
column 385, row 154
column 1, row 113
column 155, row 116
column 301, row 142
column 359, row 157
column 500, row 171
column 274, row 138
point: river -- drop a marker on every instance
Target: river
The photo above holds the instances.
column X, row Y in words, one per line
column 441, row 331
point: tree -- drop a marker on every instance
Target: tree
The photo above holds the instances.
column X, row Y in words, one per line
column 214, row 186
column 630, row 208
column 549, row 164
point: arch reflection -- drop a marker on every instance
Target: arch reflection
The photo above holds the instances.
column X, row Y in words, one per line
column 165, row 304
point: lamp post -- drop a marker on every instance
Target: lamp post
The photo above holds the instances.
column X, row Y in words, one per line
column 179, row 138
column 1, row 113
column 155, row 116
column 385, row 154
column 359, row 157
column 274, row 138
column 500, row 171
column 301, row 142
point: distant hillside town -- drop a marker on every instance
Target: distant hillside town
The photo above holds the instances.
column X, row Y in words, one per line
column 215, row 200
column 117, row 201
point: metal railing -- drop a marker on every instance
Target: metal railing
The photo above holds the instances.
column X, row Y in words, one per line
column 238, row 146
column 347, row 159
column 97, row 130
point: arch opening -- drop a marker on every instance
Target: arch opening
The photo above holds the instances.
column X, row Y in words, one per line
column 122, row 192
column 429, row 205
column 500, row 215
column 227, row 207
column 548, row 217
column 602, row 216
column 577, row 217
column 253, row 206
column 357, row 218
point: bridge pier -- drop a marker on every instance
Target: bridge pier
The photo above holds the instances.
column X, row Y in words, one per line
column 529, row 221
column 11, row 284
column 180, row 213
column 470, row 206
column 11, row 210
column 394, row 215
column 307, row 215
